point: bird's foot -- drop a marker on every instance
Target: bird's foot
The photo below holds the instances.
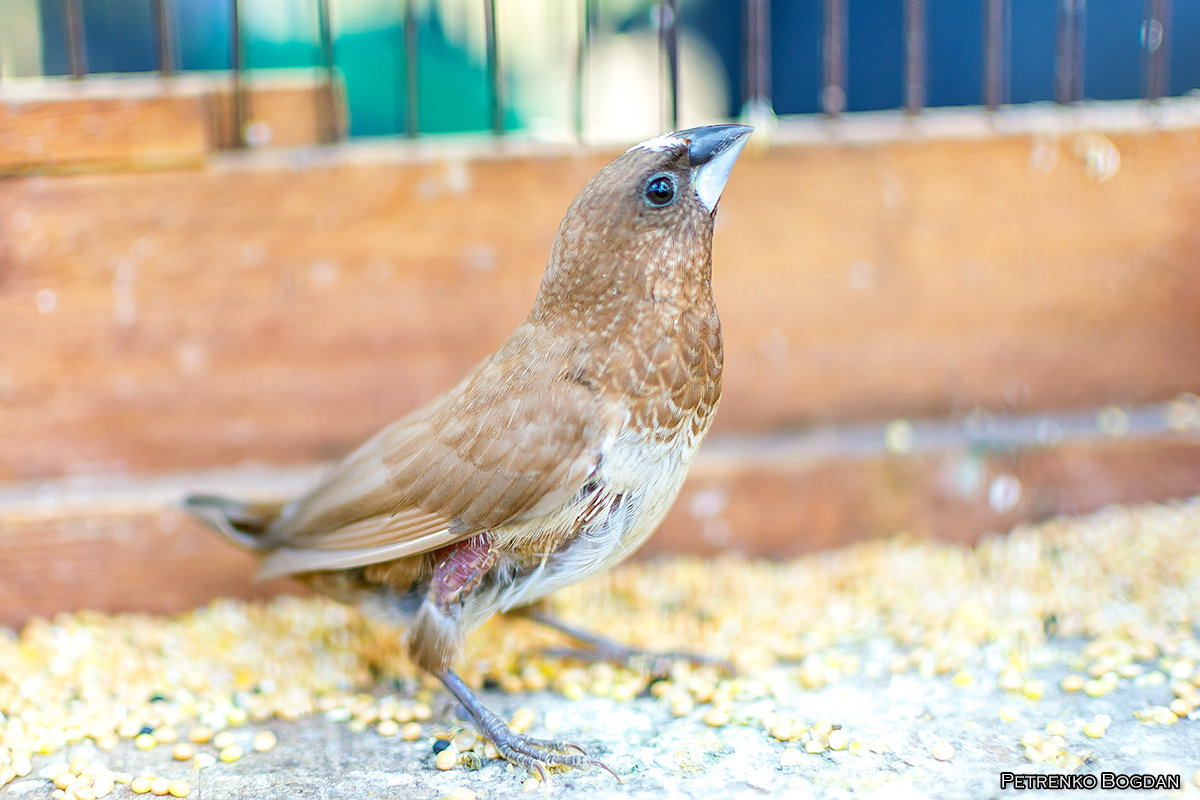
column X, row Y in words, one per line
column 536, row 755
column 540, row 755
column 600, row 648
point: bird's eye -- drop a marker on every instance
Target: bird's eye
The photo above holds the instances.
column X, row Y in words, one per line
column 660, row 191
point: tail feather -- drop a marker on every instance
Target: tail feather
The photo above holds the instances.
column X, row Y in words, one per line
column 243, row 523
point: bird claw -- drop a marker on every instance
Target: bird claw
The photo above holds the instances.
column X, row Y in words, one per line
column 538, row 755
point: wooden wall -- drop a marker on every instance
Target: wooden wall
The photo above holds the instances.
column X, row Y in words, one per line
column 275, row 308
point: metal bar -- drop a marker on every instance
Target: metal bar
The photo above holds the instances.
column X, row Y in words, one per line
column 1156, row 48
column 914, row 55
column 411, row 96
column 833, row 94
column 164, row 42
column 493, row 66
column 668, row 47
column 995, row 48
column 235, row 69
column 758, row 56
column 1068, row 64
column 583, row 47
column 327, row 122
column 77, row 47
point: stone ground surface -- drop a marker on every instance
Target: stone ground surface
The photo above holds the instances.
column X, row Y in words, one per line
column 661, row 756
column 941, row 666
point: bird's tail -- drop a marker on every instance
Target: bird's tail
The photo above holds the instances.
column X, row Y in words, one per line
column 243, row 523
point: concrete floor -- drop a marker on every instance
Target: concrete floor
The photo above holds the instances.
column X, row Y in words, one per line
column 660, row 756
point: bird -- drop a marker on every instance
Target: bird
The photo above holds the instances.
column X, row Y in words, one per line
column 555, row 457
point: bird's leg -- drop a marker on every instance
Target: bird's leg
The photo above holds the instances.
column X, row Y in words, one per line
column 600, row 648
column 535, row 755
column 435, row 634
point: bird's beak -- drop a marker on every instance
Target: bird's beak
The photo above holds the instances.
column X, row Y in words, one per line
column 712, row 150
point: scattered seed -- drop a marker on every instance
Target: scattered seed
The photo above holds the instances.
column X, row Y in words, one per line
column 942, row 751
column 160, row 786
column 179, row 788
column 231, row 753
column 446, row 759
column 266, row 740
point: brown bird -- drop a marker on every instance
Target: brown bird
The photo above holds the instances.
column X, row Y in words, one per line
column 556, row 457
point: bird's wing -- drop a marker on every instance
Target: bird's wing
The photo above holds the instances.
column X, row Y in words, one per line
column 516, row 439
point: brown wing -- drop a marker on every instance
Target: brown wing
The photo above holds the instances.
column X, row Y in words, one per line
column 516, row 439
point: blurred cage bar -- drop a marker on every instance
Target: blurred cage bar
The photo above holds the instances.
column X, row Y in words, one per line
column 755, row 54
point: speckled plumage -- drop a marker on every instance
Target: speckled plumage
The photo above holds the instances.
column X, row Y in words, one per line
column 558, row 454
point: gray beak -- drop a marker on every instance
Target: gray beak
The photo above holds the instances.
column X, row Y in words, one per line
column 712, row 151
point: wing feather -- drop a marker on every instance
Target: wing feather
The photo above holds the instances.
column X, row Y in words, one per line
column 513, row 440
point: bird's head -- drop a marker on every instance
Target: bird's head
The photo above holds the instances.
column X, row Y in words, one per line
column 641, row 228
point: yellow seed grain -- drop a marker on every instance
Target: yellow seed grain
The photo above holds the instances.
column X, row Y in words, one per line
column 84, row 793
column 783, row 729
column 717, row 717
column 237, row 716
column 64, row 779
column 822, row 727
column 522, row 720
column 461, row 793
column 1180, row 707
column 447, row 759
column 1056, row 728
column 1094, row 688
column 224, row 739
column 231, row 753
column 1072, row 683
column 179, row 788
column 145, row 741
column 530, row 785
column 422, row 712
column 387, row 727
column 1031, row 739
column 1008, row 713
column 200, row 734
column 1164, row 716
column 963, row 679
column 838, row 740
column 266, row 740
column 815, row 745
column 7, row 775
column 165, row 734
column 682, row 705
column 411, row 731
column 78, row 764
column 1033, row 689
column 159, row 786
column 1093, row 730
column 183, row 751
column 464, row 741
column 490, row 751
column 942, row 751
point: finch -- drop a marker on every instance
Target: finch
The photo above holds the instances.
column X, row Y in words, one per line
column 553, row 459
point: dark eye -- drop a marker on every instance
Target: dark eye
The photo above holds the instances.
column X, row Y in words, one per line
column 660, row 191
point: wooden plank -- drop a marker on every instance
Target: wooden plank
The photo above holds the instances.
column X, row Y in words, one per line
column 148, row 122
column 758, row 499
column 159, row 129
column 256, row 311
